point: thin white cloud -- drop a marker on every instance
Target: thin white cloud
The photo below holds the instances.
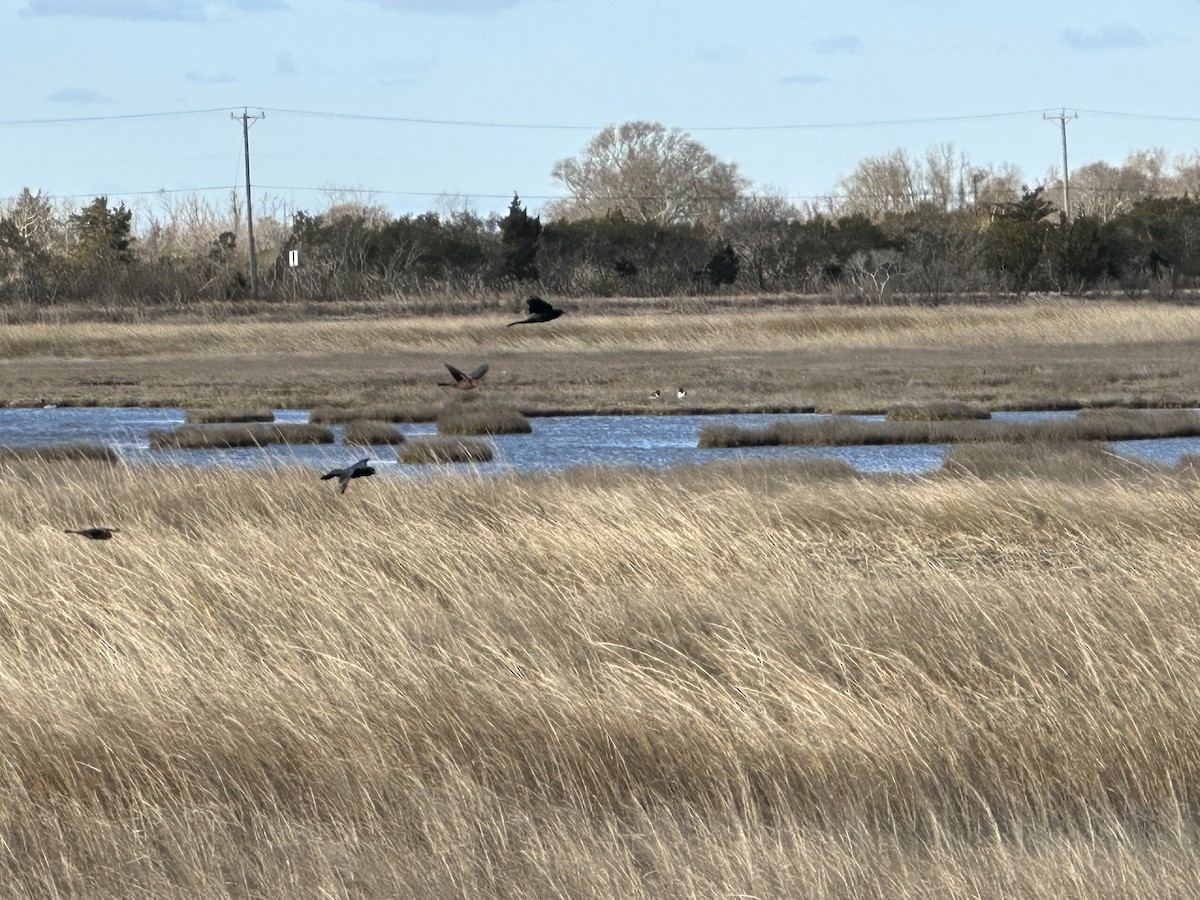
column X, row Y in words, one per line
column 1107, row 37
column 209, row 78
column 447, row 7
column 286, row 66
column 400, row 73
column 82, row 96
column 805, row 78
column 145, row 10
column 722, row 53
column 840, row 44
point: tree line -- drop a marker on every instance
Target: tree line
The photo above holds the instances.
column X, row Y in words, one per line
column 648, row 212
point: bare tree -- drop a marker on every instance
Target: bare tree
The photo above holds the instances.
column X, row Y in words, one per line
column 34, row 219
column 1187, row 174
column 341, row 204
column 1105, row 191
column 993, row 186
column 941, row 177
column 880, row 185
column 758, row 229
column 180, row 224
column 1102, row 190
column 648, row 173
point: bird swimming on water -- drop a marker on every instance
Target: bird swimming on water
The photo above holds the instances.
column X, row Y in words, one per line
column 464, row 381
column 359, row 469
column 539, row 311
column 94, row 534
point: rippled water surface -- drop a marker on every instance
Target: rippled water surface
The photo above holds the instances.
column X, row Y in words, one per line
column 556, row 442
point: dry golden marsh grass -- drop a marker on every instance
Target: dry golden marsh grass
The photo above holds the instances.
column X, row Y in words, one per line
column 1048, row 351
column 746, row 680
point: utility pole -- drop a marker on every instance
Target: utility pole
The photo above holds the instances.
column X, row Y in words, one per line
column 246, row 120
column 1062, row 119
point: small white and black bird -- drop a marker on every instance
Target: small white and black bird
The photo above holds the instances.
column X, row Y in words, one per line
column 656, row 395
column 681, row 393
column 359, row 469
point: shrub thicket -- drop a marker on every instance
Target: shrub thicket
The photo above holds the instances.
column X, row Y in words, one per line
column 353, row 251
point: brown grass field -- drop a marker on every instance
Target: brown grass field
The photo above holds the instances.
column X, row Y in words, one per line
column 732, row 680
column 752, row 680
column 598, row 357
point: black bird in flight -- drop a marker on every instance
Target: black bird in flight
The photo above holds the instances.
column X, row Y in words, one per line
column 462, row 381
column 94, row 534
column 539, row 311
column 359, row 469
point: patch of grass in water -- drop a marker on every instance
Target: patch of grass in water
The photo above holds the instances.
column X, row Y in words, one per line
column 443, row 450
column 471, row 416
column 219, row 437
column 1089, row 425
column 372, row 433
column 227, row 416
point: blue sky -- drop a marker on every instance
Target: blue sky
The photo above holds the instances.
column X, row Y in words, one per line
column 414, row 101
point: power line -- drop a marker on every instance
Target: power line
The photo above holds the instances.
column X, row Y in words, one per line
column 114, row 118
column 867, row 123
column 550, row 126
column 123, row 193
column 1129, row 115
column 1062, row 118
column 1088, row 191
column 561, row 126
column 407, row 120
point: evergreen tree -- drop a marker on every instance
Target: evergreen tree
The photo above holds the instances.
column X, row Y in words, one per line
column 723, row 267
column 1016, row 239
column 101, row 235
column 520, row 235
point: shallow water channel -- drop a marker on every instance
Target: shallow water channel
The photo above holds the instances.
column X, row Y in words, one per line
column 557, row 442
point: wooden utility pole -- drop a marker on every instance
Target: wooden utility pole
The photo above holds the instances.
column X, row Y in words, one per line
column 1062, row 119
column 246, row 119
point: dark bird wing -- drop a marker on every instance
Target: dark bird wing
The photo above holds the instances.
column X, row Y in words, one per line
column 346, row 472
column 458, row 375
column 539, row 311
column 95, row 533
column 358, row 470
column 476, row 375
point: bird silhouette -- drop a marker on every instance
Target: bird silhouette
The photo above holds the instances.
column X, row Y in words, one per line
column 657, row 394
column 94, row 534
column 539, row 311
column 462, row 381
column 359, row 469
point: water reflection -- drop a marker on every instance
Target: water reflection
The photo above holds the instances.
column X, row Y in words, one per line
column 557, row 442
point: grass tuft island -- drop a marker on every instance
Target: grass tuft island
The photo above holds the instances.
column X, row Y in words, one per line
column 1088, row 425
